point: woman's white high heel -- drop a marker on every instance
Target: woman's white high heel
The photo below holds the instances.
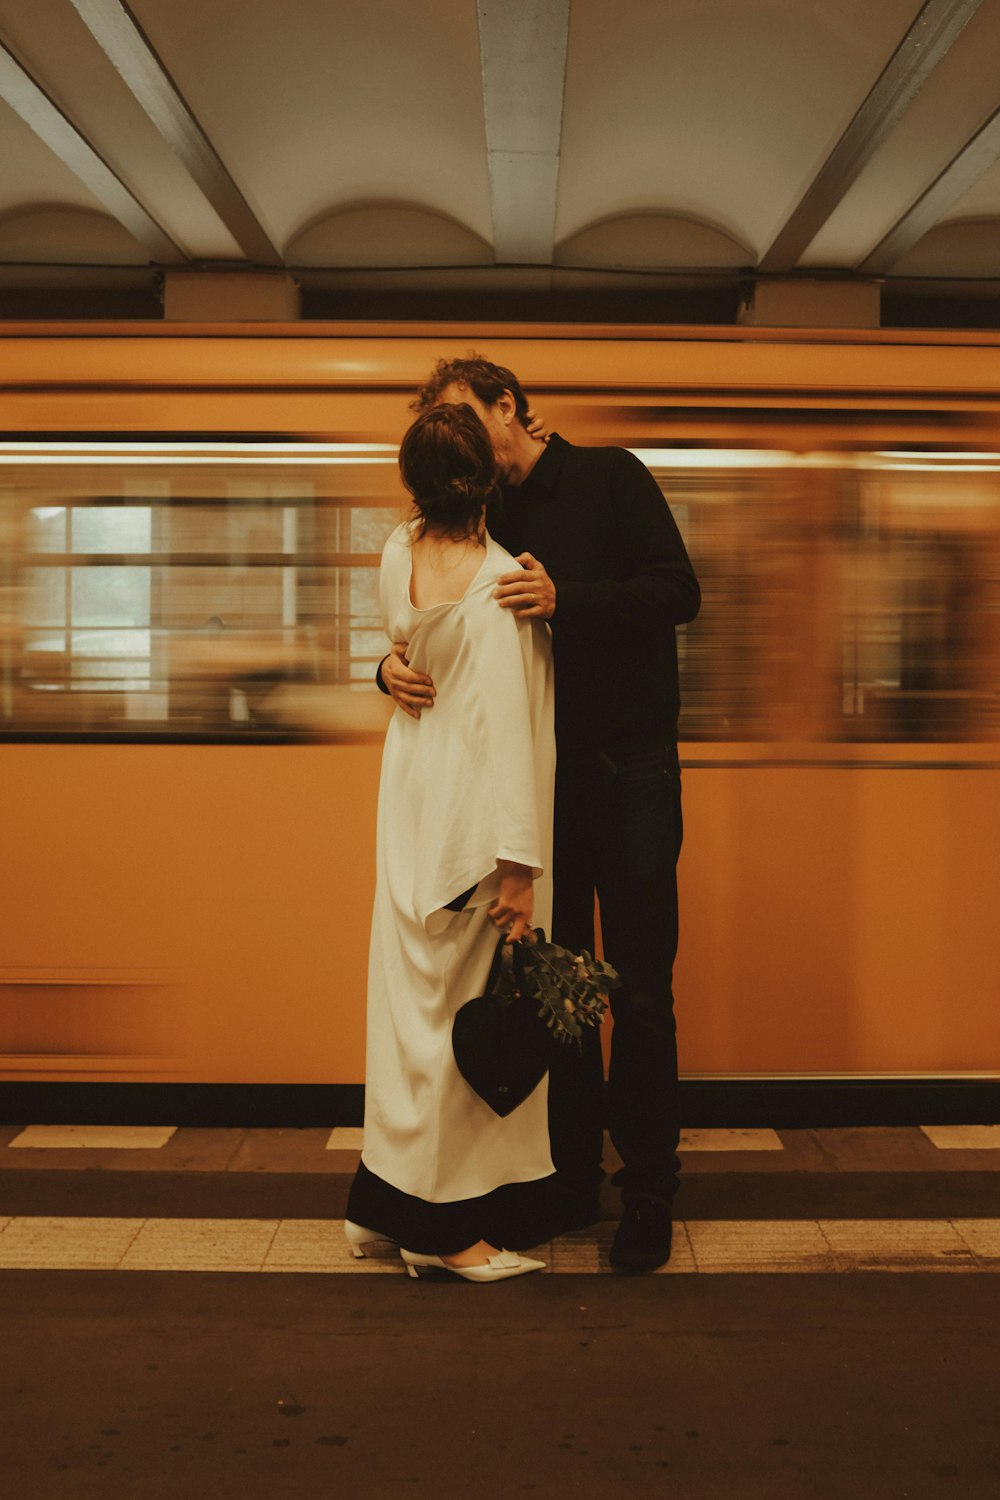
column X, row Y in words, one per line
column 498, row 1268
column 358, row 1237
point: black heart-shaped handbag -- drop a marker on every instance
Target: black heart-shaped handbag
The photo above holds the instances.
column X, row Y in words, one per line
column 501, row 1044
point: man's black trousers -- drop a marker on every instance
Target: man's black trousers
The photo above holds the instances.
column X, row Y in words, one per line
column 618, row 831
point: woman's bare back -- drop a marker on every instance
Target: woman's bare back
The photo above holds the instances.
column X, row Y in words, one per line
column 442, row 569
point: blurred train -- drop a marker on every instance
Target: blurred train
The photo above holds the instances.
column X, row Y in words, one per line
column 190, row 528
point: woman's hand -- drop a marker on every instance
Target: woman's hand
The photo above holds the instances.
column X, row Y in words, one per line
column 513, row 908
column 535, row 427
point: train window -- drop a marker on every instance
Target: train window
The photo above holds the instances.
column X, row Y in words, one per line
column 921, row 594
column 845, row 596
column 753, row 524
column 87, row 627
column 203, row 590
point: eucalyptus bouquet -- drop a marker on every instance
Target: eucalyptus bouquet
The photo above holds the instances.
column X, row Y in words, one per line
column 570, row 988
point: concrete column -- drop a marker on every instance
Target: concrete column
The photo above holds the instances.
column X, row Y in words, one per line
column 210, row 296
column 812, row 302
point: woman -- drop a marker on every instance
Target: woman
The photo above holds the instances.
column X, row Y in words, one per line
column 464, row 851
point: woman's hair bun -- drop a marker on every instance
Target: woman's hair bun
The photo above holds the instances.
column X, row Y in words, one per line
column 447, row 464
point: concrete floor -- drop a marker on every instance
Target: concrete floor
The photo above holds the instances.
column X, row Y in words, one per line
column 867, row 1383
column 744, row 1387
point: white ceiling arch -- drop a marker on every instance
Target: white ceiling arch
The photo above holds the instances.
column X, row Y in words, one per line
column 66, row 234
column 968, row 249
column 507, row 142
column 651, row 240
column 386, row 234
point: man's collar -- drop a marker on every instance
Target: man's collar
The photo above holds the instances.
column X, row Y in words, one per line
column 544, row 475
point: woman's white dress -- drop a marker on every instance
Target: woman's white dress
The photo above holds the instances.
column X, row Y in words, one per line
column 466, row 784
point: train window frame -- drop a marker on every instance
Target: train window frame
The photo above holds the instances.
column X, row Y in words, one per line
column 925, row 705
column 329, row 651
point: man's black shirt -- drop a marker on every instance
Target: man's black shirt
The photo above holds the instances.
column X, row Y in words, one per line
column 597, row 521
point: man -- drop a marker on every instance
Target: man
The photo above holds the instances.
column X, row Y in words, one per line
column 602, row 560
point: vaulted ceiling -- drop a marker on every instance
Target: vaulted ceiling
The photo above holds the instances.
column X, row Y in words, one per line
column 543, row 156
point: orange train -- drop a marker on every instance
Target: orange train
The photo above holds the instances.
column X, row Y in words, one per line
column 190, row 523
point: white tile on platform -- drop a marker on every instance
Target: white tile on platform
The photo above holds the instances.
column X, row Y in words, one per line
column 730, row 1140
column 346, row 1138
column 682, row 1261
column 981, row 1235
column 585, row 1251
column 201, row 1245
column 95, row 1137
column 366, row 1267
column 890, row 1244
column 963, row 1137
column 759, row 1245
column 320, row 1245
column 52, row 1244
column 305, row 1245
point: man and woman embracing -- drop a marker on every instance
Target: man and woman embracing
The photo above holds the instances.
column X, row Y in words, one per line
column 531, row 600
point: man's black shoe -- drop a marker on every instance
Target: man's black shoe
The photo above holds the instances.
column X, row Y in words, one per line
column 642, row 1240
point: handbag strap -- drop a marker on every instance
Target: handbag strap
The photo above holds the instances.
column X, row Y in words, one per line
column 508, row 969
column 508, row 976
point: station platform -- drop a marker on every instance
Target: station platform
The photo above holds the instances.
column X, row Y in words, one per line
column 132, row 1197
column 828, row 1327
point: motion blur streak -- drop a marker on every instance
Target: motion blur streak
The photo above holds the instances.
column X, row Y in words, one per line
column 850, row 595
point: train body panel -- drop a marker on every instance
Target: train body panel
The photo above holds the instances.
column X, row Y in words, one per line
column 188, row 799
column 187, row 913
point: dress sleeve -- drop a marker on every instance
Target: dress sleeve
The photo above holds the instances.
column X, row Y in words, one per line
column 511, row 688
column 661, row 588
column 393, row 586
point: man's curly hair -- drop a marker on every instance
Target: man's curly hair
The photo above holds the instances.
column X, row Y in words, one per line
column 474, row 373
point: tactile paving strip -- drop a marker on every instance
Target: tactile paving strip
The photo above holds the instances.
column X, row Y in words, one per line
column 318, row 1245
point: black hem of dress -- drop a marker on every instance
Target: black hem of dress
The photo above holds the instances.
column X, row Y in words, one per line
column 508, row 1217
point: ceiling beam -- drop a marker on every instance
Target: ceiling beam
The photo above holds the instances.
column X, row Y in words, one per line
column 522, row 48
column 927, row 41
column 119, row 34
column 965, row 169
column 36, row 109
